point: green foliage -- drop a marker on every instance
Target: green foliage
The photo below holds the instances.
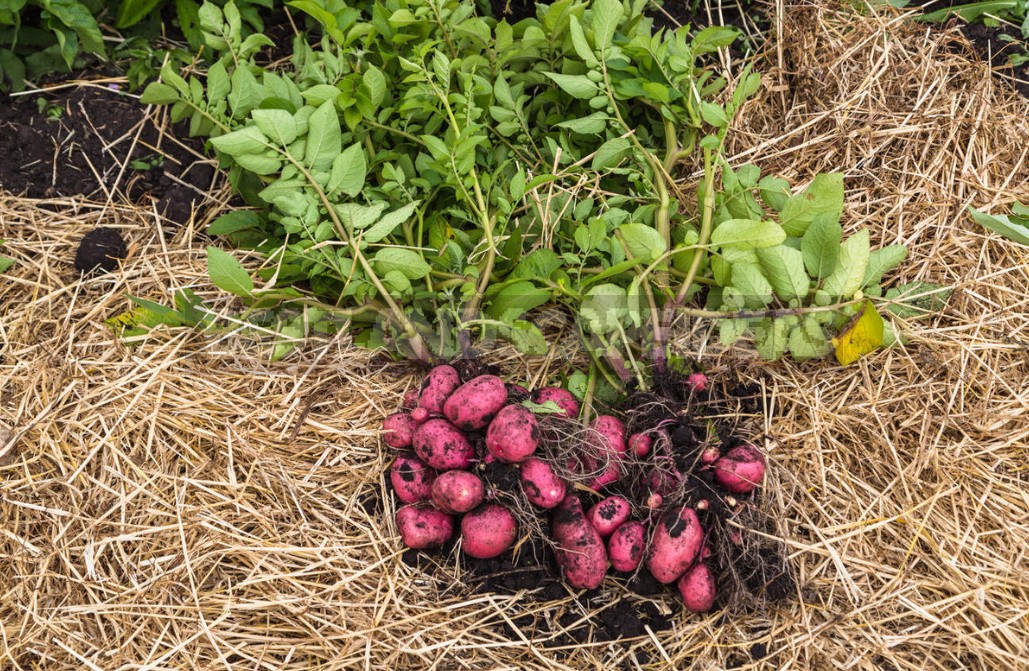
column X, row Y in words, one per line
column 5, row 262
column 38, row 36
column 425, row 167
column 1014, row 226
column 993, row 13
column 788, row 264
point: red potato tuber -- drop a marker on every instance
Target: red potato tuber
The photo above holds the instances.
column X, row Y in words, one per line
column 541, row 485
column 580, row 549
column 710, row 455
column 442, row 446
column 457, row 491
column 488, row 531
column 674, row 544
column 398, row 430
column 609, row 514
column 741, row 469
column 513, row 435
column 625, row 547
column 422, row 527
column 411, row 399
column 473, row 405
column 697, row 381
column 611, row 444
column 639, row 444
column 412, row 480
column 437, row 388
column 420, row 415
column 562, row 397
column 697, row 587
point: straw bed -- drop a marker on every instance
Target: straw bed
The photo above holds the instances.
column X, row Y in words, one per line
column 188, row 504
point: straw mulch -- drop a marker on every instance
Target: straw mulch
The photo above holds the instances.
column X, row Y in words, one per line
column 188, row 504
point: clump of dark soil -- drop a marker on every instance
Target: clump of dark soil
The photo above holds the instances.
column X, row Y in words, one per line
column 90, row 139
column 100, row 249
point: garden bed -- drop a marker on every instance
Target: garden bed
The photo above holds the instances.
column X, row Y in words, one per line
column 187, row 504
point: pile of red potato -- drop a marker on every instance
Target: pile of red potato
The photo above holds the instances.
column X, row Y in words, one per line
column 455, row 429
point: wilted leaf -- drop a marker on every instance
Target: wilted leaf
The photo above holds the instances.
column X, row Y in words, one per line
column 863, row 334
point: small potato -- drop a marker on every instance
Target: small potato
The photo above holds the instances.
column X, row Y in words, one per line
column 474, row 404
column 674, row 544
column 541, row 485
column 442, row 447
column 513, row 435
column 697, row 382
column 437, row 387
column 625, row 547
column 422, row 527
column 710, row 455
column 741, row 469
column 398, row 430
column 562, row 397
column 609, row 514
column 420, row 415
column 488, row 531
column 697, row 587
column 580, row 549
column 412, row 480
column 664, row 480
column 457, row 491
column 640, row 443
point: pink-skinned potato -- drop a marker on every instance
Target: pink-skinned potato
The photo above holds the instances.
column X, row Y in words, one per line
column 611, row 444
column 625, row 547
column 513, row 435
column 442, row 446
column 581, row 553
column 674, row 545
column 411, row 399
column 437, row 387
column 423, row 527
column 474, row 404
column 697, row 588
column 541, row 485
column 488, row 531
column 398, row 430
column 640, row 443
column 609, row 514
column 457, row 491
column 411, row 479
column 741, row 469
column 563, row 398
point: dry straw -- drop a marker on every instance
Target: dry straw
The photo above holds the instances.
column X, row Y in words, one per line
column 187, row 504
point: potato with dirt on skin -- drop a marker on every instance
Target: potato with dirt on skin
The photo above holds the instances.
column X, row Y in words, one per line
column 398, row 430
column 423, row 527
column 411, row 479
column 611, row 445
column 457, row 491
column 474, row 404
column 513, row 435
column 581, row 553
column 488, row 531
column 437, row 387
column 564, row 399
column 625, row 547
column 741, row 469
column 697, row 588
column 442, row 446
column 541, row 485
column 675, row 542
column 609, row 514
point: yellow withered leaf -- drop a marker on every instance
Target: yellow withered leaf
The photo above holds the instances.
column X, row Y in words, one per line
column 863, row 334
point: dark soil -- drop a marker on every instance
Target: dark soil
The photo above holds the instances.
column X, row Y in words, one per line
column 990, row 44
column 101, row 249
column 92, row 140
